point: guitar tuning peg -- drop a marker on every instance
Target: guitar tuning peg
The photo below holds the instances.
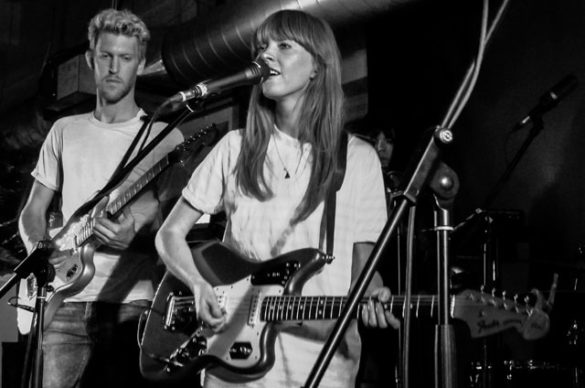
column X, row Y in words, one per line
column 504, row 294
column 482, row 288
column 516, row 302
column 493, row 299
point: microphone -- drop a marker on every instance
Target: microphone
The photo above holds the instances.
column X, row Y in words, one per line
column 550, row 99
column 254, row 73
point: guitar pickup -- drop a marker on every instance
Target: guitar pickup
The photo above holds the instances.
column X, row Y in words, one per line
column 71, row 272
column 240, row 350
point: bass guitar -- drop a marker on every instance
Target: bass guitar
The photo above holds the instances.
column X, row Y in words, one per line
column 260, row 297
column 76, row 242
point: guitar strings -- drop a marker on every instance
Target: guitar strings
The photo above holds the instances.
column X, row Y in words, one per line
column 333, row 300
column 280, row 305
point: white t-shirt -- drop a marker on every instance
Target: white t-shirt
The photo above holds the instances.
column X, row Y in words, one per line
column 261, row 230
column 77, row 158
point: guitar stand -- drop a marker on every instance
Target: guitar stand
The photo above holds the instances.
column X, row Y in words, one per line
column 36, row 263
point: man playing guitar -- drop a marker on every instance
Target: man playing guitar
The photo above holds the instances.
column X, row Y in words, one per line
column 90, row 340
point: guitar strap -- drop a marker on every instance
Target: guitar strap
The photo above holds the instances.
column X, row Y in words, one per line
column 328, row 220
column 115, row 178
column 113, row 181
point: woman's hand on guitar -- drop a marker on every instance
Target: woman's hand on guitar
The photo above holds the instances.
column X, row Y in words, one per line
column 375, row 315
column 116, row 234
column 208, row 308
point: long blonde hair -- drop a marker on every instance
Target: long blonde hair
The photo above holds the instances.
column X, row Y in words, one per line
column 321, row 118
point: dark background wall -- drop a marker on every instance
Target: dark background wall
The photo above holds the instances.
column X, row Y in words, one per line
column 417, row 57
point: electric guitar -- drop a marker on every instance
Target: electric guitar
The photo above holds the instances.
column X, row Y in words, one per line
column 76, row 242
column 260, row 297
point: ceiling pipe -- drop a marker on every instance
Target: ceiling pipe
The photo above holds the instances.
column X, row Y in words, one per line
column 220, row 43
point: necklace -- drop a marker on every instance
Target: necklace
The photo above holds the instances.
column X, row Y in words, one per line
column 286, row 170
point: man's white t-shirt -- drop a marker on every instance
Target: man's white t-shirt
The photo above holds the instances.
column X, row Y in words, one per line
column 77, row 159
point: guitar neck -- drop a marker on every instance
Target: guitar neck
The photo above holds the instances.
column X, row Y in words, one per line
column 122, row 200
column 304, row 308
column 483, row 313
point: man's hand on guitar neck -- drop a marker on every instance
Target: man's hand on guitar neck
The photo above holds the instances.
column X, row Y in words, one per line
column 117, row 234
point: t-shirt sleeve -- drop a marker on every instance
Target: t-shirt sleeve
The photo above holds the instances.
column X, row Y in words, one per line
column 48, row 169
column 371, row 212
column 205, row 188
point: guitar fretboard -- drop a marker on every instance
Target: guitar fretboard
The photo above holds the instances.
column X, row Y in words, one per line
column 484, row 314
column 137, row 186
column 121, row 201
column 290, row 307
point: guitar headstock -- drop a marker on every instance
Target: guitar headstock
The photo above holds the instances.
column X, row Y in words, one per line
column 204, row 137
column 487, row 314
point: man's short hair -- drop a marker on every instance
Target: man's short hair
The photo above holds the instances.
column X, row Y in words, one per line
column 120, row 22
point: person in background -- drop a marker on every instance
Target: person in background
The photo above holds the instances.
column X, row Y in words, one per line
column 384, row 145
column 382, row 138
column 91, row 340
column 271, row 179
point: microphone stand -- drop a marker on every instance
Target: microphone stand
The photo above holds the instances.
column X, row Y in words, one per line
column 422, row 169
column 445, row 355
column 537, row 126
column 36, row 263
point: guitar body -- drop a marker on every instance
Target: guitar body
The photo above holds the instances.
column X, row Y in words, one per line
column 73, row 272
column 75, row 268
column 244, row 350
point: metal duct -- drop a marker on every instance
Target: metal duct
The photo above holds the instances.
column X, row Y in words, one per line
column 203, row 48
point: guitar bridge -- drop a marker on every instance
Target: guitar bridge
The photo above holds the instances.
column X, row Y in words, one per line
column 180, row 313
